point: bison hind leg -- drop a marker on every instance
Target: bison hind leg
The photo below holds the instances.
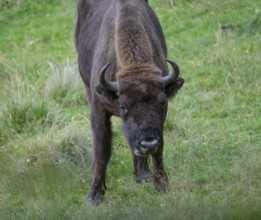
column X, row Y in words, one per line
column 141, row 169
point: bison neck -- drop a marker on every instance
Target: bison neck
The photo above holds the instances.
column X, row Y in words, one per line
column 132, row 42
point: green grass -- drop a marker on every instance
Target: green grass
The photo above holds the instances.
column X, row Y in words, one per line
column 212, row 134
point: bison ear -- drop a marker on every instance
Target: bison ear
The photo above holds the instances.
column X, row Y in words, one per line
column 172, row 89
column 108, row 96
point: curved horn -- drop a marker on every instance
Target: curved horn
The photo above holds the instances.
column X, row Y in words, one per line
column 173, row 75
column 111, row 86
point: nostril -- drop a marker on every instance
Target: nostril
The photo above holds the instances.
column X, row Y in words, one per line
column 149, row 142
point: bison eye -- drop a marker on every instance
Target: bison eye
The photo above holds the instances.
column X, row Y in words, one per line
column 123, row 110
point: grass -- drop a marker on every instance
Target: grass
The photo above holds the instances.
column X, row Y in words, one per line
column 212, row 134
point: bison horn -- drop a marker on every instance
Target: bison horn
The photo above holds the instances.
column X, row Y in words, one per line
column 172, row 76
column 111, row 86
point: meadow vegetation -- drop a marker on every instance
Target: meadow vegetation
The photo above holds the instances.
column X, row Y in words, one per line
column 212, row 133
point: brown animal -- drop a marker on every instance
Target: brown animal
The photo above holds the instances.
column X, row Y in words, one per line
column 121, row 56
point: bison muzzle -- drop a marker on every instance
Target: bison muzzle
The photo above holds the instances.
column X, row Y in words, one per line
column 121, row 57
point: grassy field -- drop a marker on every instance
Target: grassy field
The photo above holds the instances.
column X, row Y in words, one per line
column 212, row 134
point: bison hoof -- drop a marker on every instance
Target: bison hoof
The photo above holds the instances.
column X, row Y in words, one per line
column 95, row 197
column 161, row 187
column 144, row 177
column 161, row 183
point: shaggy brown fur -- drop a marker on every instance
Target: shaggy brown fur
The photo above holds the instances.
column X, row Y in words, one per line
column 128, row 35
column 133, row 45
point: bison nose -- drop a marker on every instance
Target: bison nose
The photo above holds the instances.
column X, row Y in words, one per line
column 148, row 146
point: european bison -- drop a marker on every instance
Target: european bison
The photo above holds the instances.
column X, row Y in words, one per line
column 121, row 56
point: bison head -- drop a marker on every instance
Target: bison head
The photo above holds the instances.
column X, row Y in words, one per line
column 141, row 94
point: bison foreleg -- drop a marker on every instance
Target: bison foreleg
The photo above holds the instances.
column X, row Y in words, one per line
column 160, row 179
column 101, row 128
column 141, row 169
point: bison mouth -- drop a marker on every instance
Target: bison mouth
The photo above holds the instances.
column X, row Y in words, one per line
column 137, row 153
column 146, row 147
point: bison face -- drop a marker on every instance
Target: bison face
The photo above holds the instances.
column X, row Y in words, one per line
column 140, row 98
column 143, row 116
